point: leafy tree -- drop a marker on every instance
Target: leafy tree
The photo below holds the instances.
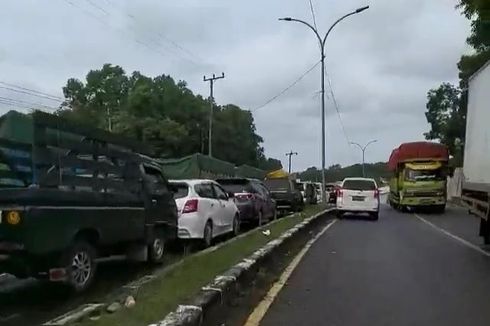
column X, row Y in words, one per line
column 478, row 11
column 163, row 113
column 269, row 164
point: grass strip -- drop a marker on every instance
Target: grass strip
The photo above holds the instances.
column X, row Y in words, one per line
column 161, row 296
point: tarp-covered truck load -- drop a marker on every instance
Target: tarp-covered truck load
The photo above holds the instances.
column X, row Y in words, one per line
column 419, row 176
column 277, row 174
column 247, row 171
column 417, row 151
column 197, row 166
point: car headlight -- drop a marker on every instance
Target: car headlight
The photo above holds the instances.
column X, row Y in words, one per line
column 12, row 217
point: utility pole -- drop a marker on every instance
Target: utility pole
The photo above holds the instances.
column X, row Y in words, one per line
column 290, row 154
column 211, row 100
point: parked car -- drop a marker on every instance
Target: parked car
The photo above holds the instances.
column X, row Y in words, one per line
column 252, row 199
column 205, row 210
column 331, row 190
column 358, row 195
column 286, row 194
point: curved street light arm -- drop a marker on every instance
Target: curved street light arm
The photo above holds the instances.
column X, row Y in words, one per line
column 340, row 19
column 358, row 145
column 369, row 143
column 307, row 24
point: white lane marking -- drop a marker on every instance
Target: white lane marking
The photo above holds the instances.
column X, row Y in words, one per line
column 261, row 309
column 455, row 237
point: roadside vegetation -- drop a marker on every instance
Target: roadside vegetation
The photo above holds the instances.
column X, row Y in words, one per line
column 161, row 296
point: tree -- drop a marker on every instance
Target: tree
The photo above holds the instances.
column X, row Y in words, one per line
column 163, row 113
column 478, row 11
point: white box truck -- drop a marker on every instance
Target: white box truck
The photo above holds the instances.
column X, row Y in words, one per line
column 476, row 184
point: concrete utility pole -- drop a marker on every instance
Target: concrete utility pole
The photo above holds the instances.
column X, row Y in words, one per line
column 363, row 149
column 211, row 99
column 290, row 154
column 322, row 42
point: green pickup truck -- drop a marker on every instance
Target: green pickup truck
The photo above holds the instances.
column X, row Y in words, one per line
column 70, row 195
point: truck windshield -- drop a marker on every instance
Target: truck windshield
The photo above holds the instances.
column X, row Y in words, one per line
column 424, row 175
column 277, row 184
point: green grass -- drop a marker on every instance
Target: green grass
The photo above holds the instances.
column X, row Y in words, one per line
column 161, row 296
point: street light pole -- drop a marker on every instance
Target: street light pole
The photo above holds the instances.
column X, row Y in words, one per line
column 363, row 149
column 322, row 50
column 211, row 109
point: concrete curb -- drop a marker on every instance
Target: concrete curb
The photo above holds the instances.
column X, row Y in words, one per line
column 212, row 294
column 133, row 287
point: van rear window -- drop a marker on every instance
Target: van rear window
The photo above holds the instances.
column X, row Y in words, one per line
column 359, row 185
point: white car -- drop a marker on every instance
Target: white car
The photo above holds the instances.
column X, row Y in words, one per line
column 205, row 210
column 358, row 195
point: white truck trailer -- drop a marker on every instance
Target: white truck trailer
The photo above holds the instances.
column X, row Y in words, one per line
column 476, row 184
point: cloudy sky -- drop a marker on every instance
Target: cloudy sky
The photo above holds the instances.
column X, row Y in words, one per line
column 381, row 62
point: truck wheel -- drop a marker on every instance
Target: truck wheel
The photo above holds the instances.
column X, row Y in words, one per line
column 156, row 250
column 80, row 265
column 208, row 235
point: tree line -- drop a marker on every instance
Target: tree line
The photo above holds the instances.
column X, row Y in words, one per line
column 336, row 172
column 447, row 104
column 165, row 114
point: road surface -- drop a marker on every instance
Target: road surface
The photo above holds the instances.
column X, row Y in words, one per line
column 399, row 271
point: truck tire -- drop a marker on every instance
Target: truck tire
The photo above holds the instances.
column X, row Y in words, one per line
column 156, row 250
column 440, row 209
column 79, row 261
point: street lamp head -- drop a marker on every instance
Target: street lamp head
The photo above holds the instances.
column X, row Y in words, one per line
column 358, row 10
column 288, row 19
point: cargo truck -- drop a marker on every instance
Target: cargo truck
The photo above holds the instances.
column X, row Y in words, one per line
column 419, row 176
column 476, row 167
column 70, row 195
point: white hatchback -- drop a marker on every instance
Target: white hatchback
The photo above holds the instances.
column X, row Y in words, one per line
column 205, row 210
column 358, row 195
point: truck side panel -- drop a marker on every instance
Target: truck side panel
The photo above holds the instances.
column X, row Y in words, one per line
column 477, row 145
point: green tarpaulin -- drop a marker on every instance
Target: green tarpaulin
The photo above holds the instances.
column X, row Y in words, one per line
column 247, row 171
column 16, row 127
column 197, row 166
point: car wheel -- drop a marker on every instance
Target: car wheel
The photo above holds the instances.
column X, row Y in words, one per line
column 374, row 216
column 80, row 265
column 236, row 225
column 208, row 235
column 156, row 251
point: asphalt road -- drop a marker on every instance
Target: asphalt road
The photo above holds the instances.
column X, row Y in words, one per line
column 397, row 271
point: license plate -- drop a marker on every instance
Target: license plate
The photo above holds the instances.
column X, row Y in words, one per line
column 358, row 198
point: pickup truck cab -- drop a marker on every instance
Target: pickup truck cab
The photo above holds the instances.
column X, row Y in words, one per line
column 74, row 195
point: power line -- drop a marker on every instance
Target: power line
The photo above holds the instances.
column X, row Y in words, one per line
column 159, row 35
column 313, row 13
column 89, row 13
column 33, row 91
column 29, row 93
column 287, row 88
column 96, row 6
column 334, row 100
column 22, row 102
